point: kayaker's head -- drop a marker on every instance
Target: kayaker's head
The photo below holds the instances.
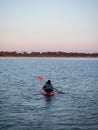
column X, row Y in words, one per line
column 48, row 82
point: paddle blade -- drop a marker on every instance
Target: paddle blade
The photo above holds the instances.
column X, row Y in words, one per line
column 40, row 78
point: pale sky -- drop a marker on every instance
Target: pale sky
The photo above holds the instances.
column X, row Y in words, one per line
column 49, row 25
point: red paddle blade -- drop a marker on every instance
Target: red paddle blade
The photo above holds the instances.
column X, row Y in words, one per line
column 40, row 78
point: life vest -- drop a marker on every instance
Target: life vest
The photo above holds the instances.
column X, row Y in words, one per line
column 48, row 86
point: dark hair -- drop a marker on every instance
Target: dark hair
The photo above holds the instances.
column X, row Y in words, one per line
column 49, row 81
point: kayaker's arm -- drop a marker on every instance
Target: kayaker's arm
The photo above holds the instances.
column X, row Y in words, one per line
column 44, row 86
column 52, row 87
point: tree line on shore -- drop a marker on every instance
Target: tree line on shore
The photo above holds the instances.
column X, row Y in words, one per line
column 46, row 54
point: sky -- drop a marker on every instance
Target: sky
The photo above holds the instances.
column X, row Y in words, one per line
column 49, row 25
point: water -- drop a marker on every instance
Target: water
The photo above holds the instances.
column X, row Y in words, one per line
column 23, row 107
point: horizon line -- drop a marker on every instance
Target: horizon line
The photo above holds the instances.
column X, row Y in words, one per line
column 29, row 52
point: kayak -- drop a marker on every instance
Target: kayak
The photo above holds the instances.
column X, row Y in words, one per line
column 44, row 92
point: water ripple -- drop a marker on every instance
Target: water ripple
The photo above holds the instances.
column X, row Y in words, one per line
column 23, row 107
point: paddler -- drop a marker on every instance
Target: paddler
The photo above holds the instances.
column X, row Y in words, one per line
column 48, row 86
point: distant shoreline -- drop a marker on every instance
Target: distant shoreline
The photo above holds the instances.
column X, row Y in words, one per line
column 48, row 54
column 47, row 57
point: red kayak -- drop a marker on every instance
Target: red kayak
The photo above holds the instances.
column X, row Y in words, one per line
column 48, row 93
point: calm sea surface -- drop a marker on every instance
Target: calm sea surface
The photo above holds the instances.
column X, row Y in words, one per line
column 23, row 107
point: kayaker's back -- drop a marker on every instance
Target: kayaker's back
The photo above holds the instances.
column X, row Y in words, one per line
column 48, row 86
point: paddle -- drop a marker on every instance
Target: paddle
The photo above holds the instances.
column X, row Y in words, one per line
column 41, row 79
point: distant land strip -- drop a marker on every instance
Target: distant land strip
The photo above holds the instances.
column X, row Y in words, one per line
column 47, row 54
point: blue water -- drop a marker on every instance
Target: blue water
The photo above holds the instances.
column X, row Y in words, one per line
column 23, row 107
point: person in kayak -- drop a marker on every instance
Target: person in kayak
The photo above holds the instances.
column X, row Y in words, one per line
column 48, row 86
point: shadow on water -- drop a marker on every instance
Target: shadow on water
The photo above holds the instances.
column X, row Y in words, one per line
column 48, row 99
column 48, row 103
